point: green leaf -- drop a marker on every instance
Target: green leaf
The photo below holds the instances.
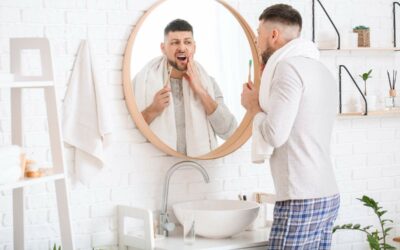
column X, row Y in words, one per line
column 360, row 27
column 373, row 242
column 367, row 227
column 381, row 213
column 335, row 228
column 387, row 230
column 387, row 246
column 356, row 226
column 369, row 202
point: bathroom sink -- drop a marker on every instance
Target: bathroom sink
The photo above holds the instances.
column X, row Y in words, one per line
column 217, row 218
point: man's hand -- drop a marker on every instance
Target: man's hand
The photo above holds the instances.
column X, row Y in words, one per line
column 161, row 99
column 160, row 102
column 193, row 77
column 250, row 99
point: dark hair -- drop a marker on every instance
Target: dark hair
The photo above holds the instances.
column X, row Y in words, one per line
column 178, row 25
column 282, row 13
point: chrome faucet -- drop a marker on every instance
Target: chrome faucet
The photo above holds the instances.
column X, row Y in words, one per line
column 165, row 226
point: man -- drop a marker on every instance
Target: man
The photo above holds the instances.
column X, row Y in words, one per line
column 294, row 112
column 198, row 112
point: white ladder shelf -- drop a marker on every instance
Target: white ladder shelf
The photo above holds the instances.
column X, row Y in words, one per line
column 58, row 176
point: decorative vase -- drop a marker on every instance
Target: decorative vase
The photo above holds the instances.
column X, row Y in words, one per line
column 363, row 37
column 392, row 93
column 390, row 102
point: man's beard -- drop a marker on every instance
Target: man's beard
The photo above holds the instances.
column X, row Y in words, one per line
column 175, row 66
column 266, row 55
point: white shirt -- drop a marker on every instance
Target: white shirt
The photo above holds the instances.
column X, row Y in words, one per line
column 303, row 106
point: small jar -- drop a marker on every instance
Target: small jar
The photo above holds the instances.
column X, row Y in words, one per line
column 389, row 102
column 33, row 169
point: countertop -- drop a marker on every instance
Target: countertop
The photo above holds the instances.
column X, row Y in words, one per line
column 244, row 239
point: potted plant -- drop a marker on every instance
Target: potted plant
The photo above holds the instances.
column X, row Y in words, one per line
column 363, row 35
column 376, row 239
column 371, row 99
column 55, row 247
column 365, row 76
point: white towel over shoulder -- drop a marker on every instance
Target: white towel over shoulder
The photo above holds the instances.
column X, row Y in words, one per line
column 86, row 120
column 261, row 149
column 200, row 137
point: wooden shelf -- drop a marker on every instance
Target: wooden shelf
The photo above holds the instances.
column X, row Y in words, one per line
column 395, row 112
column 23, row 182
column 58, row 174
column 27, row 84
column 360, row 49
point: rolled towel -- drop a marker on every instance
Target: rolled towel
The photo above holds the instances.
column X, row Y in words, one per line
column 6, row 162
column 10, row 157
column 10, row 151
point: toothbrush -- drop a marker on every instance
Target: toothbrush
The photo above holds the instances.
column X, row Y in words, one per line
column 249, row 76
column 169, row 69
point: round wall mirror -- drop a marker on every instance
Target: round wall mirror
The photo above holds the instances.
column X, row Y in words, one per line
column 162, row 72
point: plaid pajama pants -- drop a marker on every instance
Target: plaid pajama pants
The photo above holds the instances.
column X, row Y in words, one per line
column 303, row 224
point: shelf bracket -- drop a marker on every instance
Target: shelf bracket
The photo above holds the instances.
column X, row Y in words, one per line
column 355, row 83
column 330, row 20
column 394, row 24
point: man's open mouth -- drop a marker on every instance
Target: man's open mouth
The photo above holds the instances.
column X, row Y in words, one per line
column 181, row 58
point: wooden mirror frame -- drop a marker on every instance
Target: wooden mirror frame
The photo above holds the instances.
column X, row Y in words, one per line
column 241, row 134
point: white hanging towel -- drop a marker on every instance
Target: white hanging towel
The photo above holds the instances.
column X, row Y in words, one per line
column 261, row 149
column 86, row 120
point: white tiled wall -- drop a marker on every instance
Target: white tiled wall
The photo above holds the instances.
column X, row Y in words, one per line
column 366, row 150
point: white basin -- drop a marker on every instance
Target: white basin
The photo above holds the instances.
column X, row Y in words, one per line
column 217, row 218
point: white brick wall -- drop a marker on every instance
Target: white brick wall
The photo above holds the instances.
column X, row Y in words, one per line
column 366, row 150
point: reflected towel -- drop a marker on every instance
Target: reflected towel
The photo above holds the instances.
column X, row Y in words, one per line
column 261, row 148
column 86, row 123
column 200, row 136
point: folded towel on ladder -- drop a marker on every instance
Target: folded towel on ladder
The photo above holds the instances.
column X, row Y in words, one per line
column 10, row 163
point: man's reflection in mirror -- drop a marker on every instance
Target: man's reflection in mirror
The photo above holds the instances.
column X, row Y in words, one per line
column 182, row 104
